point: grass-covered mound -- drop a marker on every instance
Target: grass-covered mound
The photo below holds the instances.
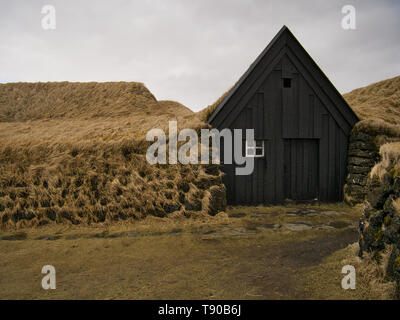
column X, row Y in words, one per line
column 75, row 152
column 379, row 100
column 378, row 107
column 379, row 124
column 71, row 100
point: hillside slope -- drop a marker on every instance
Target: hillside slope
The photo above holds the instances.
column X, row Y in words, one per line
column 379, row 100
column 65, row 111
column 32, row 101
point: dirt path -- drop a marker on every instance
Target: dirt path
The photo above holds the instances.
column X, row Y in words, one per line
column 272, row 270
column 260, row 253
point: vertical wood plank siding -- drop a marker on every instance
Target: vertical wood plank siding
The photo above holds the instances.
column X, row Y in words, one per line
column 304, row 126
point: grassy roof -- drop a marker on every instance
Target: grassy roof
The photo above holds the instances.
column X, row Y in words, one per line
column 75, row 153
column 380, row 100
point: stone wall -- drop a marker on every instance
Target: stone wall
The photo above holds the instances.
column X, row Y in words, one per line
column 379, row 226
column 363, row 153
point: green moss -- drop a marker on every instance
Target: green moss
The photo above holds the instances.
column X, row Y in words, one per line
column 394, row 172
column 387, row 221
column 396, row 264
column 378, row 236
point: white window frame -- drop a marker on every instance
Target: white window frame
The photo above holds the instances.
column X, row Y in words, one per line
column 255, row 148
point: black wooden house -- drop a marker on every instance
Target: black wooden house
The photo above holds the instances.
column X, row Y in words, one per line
column 301, row 123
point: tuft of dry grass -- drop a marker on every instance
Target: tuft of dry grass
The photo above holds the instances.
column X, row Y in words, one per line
column 390, row 161
column 370, row 277
column 377, row 127
column 372, row 273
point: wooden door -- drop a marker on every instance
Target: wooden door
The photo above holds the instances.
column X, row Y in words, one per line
column 301, row 168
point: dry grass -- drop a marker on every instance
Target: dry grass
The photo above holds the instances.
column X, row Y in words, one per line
column 75, row 152
column 370, row 277
column 372, row 271
column 181, row 259
column 379, row 100
column 51, row 112
column 390, row 161
column 32, row 101
column 378, row 127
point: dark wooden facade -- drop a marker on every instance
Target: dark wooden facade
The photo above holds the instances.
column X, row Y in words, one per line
column 302, row 119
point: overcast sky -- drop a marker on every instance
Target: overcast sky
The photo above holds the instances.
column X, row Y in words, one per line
column 192, row 51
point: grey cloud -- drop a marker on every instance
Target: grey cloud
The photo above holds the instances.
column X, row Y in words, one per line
column 191, row 51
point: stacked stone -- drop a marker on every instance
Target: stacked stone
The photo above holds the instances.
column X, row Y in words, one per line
column 362, row 156
column 379, row 226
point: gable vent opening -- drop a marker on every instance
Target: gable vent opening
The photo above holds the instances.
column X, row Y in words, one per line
column 287, row 82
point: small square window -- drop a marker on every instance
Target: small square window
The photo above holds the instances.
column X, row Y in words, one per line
column 287, row 82
column 255, row 149
column 260, row 152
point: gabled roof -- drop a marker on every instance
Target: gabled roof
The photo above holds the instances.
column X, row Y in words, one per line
column 349, row 118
